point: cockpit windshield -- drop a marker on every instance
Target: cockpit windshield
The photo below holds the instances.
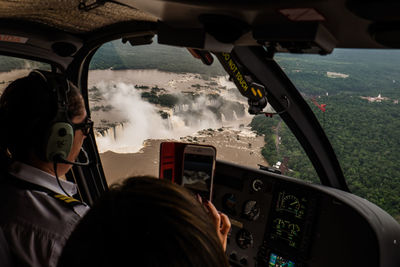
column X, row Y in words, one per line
column 146, row 95
column 141, row 96
column 355, row 95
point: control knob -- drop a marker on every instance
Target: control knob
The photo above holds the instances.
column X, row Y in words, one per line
column 229, row 202
column 257, row 185
column 244, row 239
column 251, row 210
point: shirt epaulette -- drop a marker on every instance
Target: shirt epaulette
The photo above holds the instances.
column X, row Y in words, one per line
column 70, row 201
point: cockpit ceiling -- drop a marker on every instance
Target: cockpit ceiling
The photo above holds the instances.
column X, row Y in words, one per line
column 298, row 26
column 65, row 14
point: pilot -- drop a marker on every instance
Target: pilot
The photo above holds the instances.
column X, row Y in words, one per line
column 148, row 222
column 43, row 122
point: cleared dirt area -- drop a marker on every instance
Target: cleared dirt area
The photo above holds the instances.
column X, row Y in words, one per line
column 242, row 147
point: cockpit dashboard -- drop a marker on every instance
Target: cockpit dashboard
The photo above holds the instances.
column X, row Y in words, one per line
column 280, row 221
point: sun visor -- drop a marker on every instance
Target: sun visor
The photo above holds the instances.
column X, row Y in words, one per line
column 304, row 37
column 386, row 33
column 296, row 37
column 189, row 37
column 376, row 10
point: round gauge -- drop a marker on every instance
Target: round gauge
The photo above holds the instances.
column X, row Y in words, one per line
column 257, row 185
column 291, row 203
column 251, row 210
column 229, row 202
column 244, row 239
column 294, row 228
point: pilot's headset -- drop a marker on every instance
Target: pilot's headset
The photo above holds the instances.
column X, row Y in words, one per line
column 59, row 136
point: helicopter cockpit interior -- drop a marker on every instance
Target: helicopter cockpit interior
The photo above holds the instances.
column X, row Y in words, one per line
column 276, row 220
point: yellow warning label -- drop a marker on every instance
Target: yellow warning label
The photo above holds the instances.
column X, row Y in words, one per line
column 237, row 75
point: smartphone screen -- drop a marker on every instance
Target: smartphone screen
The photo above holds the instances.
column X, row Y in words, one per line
column 197, row 173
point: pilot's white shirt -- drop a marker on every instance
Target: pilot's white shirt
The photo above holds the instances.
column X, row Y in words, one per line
column 36, row 224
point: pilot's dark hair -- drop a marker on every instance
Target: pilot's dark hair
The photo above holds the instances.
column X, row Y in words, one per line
column 27, row 108
column 145, row 222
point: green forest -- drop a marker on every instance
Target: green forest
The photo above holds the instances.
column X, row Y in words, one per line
column 11, row 63
column 364, row 137
column 117, row 55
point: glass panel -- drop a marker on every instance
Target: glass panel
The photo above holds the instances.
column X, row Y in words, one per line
column 141, row 96
column 355, row 95
column 12, row 68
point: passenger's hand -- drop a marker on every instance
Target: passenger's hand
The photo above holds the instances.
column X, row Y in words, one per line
column 221, row 222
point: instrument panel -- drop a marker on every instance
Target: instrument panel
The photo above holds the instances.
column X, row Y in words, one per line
column 281, row 221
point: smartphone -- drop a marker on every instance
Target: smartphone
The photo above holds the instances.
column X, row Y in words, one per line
column 198, row 169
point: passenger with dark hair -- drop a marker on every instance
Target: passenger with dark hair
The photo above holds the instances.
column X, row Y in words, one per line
column 43, row 121
column 5, row 255
column 148, row 222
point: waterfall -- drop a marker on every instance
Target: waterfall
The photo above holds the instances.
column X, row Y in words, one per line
column 235, row 117
column 223, row 120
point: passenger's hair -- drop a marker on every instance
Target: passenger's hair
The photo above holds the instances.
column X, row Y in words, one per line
column 145, row 222
column 27, row 108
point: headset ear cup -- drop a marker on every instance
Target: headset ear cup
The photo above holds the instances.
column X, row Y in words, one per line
column 59, row 142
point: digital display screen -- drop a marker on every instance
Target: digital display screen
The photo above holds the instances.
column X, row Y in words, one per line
column 197, row 171
column 288, row 222
column 278, row 261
